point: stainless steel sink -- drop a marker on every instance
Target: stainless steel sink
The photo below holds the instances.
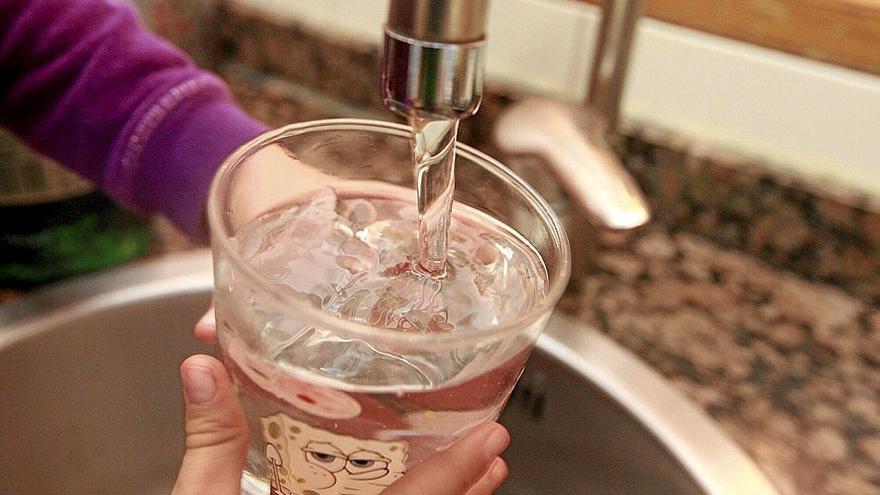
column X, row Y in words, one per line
column 90, row 401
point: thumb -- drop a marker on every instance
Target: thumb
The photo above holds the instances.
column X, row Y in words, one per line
column 216, row 431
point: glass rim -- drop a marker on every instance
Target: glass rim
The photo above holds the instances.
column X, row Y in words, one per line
column 222, row 239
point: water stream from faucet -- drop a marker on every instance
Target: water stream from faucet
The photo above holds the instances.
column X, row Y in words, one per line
column 433, row 145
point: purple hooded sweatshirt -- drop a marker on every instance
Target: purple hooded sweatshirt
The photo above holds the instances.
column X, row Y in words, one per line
column 83, row 82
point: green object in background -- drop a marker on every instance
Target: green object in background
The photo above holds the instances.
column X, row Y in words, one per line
column 53, row 224
column 49, row 241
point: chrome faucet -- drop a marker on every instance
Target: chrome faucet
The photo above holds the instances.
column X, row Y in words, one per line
column 572, row 139
column 432, row 62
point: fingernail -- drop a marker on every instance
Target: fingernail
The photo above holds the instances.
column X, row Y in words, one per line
column 199, row 385
column 498, row 440
column 209, row 319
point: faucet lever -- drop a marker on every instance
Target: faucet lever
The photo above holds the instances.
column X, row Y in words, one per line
column 585, row 166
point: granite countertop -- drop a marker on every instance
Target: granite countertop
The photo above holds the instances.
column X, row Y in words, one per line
column 789, row 368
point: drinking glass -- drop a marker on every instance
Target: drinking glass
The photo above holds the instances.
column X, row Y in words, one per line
column 318, row 428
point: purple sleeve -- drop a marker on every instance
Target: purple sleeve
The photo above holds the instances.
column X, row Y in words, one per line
column 82, row 82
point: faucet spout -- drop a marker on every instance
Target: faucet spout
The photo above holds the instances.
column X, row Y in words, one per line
column 439, row 21
column 432, row 61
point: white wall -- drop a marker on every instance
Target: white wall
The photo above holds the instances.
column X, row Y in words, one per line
column 812, row 118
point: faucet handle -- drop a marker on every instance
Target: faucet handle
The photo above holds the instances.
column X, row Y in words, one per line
column 582, row 161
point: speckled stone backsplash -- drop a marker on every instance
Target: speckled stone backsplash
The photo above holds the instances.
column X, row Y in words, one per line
column 817, row 231
column 757, row 294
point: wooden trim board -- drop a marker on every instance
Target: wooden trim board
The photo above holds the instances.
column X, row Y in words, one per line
column 841, row 32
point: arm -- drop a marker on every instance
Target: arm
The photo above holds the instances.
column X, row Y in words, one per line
column 82, row 82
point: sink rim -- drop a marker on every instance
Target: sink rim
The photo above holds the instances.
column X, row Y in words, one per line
column 717, row 464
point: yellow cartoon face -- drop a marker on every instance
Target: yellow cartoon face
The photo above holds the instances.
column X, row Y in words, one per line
column 307, row 461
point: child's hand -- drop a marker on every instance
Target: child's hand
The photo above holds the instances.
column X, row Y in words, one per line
column 217, row 441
